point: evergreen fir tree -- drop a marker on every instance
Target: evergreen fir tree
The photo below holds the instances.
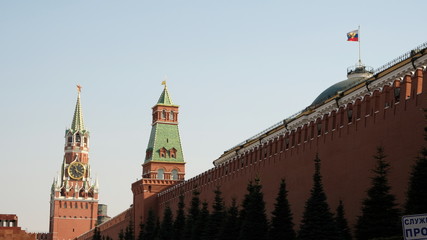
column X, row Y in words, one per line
column 199, row 229
column 157, row 230
column 129, row 234
column 281, row 221
column 166, row 227
column 341, row 222
column 245, row 203
column 216, row 219
column 317, row 222
column 149, row 232
column 121, row 235
column 230, row 230
column 141, row 231
column 416, row 199
column 179, row 224
column 96, row 234
column 254, row 220
column 193, row 215
column 380, row 216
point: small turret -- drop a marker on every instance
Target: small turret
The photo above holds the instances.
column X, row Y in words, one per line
column 96, row 186
column 359, row 71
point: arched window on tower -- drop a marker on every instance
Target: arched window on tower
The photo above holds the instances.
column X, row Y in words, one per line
column 161, row 173
column 172, row 153
column 174, row 174
column 163, row 114
column 162, row 152
column 78, row 138
column 171, row 115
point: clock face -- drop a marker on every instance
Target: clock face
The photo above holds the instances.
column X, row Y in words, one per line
column 76, row 170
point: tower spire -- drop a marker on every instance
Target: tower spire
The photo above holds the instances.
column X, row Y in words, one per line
column 77, row 124
column 165, row 98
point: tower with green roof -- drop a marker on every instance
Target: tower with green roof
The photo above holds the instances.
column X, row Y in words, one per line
column 164, row 164
column 164, row 158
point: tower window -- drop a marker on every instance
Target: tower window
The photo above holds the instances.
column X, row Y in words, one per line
column 172, row 153
column 163, row 114
column 78, row 138
column 171, row 117
column 160, row 174
column 162, row 152
column 174, row 174
column 70, row 139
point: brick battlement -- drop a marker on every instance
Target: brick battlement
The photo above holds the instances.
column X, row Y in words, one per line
column 380, row 89
column 345, row 131
column 376, row 105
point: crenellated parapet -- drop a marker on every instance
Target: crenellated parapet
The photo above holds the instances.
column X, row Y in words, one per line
column 391, row 86
column 370, row 105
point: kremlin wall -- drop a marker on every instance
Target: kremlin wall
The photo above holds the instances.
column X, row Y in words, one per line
column 344, row 125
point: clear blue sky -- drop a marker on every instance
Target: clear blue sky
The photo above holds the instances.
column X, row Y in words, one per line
column 234, row 67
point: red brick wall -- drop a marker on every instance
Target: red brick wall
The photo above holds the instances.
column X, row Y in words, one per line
column 345, row 151
column 112, row 227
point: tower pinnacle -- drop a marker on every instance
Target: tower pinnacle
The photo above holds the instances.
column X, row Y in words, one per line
column 165, row 98
column 77, row 124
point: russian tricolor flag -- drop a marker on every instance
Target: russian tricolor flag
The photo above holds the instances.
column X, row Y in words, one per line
column 353, row 36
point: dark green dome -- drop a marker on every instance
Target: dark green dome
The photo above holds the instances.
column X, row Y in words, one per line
column 356, row 74
column 334, row 89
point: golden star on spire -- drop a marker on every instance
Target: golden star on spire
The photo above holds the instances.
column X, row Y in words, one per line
column 164, row 81
column 79, row 88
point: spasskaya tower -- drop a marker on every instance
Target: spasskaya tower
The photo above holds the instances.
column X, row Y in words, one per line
column 74, row 196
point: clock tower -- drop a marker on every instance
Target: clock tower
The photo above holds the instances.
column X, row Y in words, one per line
column 74, row 196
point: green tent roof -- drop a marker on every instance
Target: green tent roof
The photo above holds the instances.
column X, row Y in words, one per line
column 165, row 136
column 77, row 124
column 165, row 98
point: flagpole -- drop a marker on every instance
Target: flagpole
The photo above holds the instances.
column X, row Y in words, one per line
column 360, row 59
